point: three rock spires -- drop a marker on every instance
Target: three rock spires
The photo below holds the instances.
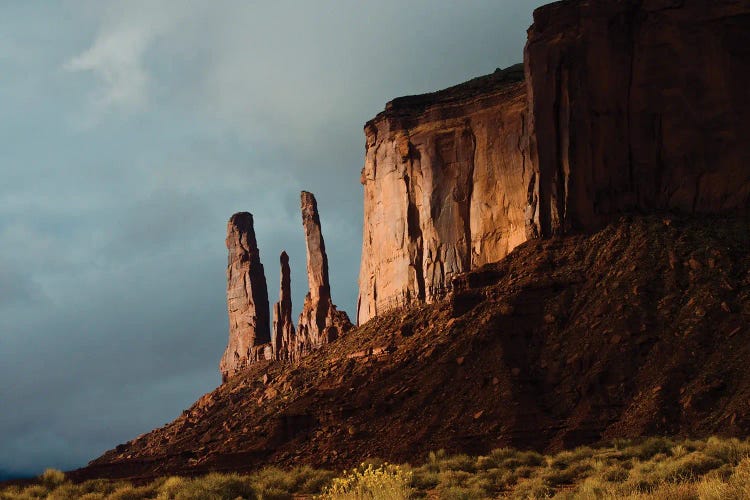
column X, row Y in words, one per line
column 251, row 337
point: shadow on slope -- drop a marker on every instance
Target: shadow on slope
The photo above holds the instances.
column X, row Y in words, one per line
column 639, row 329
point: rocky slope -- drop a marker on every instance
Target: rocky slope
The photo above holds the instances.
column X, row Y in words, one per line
column 641, row 328
column 626, row 105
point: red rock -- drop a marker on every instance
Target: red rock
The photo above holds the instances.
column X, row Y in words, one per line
column 284, row 337
column 446, row 181
column 637, row 105
column 320, row 321
column 247, row 298
column 625, row 106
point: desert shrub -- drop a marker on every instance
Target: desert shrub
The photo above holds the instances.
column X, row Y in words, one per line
column 65, row 491
column 592, row 488
column 130, row 492
column 311, row 480
column 674, row 491
column 523, row 472
column 216, row 487
column 731, row 451
column 615, row 474
column 557, row 477
column 274, row 482
column 424, row 478
column 533, row 487
column 460, row 463
column 388, row 482
column 92, row 496
column 460, row 493
column 679, row 451
column 736, row 487
column 499, row 479
column 99, row 486
column 34, row 491
column 494, row 459
column 530, row 458
column 170, row 487
column 649, row 448
column 447, row 478
column 51, row 478
column 689, row 467
column 649, row 469
column 435, row 460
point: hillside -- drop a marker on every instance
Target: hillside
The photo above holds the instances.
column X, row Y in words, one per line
column 638, row 329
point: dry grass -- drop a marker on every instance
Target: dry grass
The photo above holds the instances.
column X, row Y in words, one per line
column 654, row 468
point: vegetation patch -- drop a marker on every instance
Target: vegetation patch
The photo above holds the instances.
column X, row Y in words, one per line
column 654, row 468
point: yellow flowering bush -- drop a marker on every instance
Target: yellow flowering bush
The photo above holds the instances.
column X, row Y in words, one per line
column 367, row 482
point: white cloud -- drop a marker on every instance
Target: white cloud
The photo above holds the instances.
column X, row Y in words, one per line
column 116, row 60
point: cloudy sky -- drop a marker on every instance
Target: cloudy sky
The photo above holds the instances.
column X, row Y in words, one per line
column 131, row 131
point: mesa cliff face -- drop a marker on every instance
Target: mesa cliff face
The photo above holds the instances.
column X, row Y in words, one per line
column 445, row 189
column 638, row 105
column 626, row 106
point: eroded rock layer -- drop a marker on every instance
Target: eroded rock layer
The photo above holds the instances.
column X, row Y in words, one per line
column 627, row 106
column 446, row 181
column 320, row 322
column 638, row 105
column 247, row 299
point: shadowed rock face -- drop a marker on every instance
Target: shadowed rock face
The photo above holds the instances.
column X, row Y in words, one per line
column 284, row 339
column 638, row 105
column 247, row 298
column 627, row 106
column 446, row 181
column 320, row 322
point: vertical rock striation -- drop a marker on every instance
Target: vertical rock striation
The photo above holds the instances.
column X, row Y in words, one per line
column 446, row 187
column 626, row 105
column 320, row 322
column 638, row 105
column 247, row 298
column 284, row 339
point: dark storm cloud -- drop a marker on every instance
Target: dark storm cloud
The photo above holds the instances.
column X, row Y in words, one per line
column 132, row 131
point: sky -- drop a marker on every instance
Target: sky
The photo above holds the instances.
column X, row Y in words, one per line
column 131, row 131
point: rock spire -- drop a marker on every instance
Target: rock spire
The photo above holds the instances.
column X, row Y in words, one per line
column 284, row 339
column 320, row 322
column 247, row 298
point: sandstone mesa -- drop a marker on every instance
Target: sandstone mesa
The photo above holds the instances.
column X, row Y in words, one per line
column 619, row 107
